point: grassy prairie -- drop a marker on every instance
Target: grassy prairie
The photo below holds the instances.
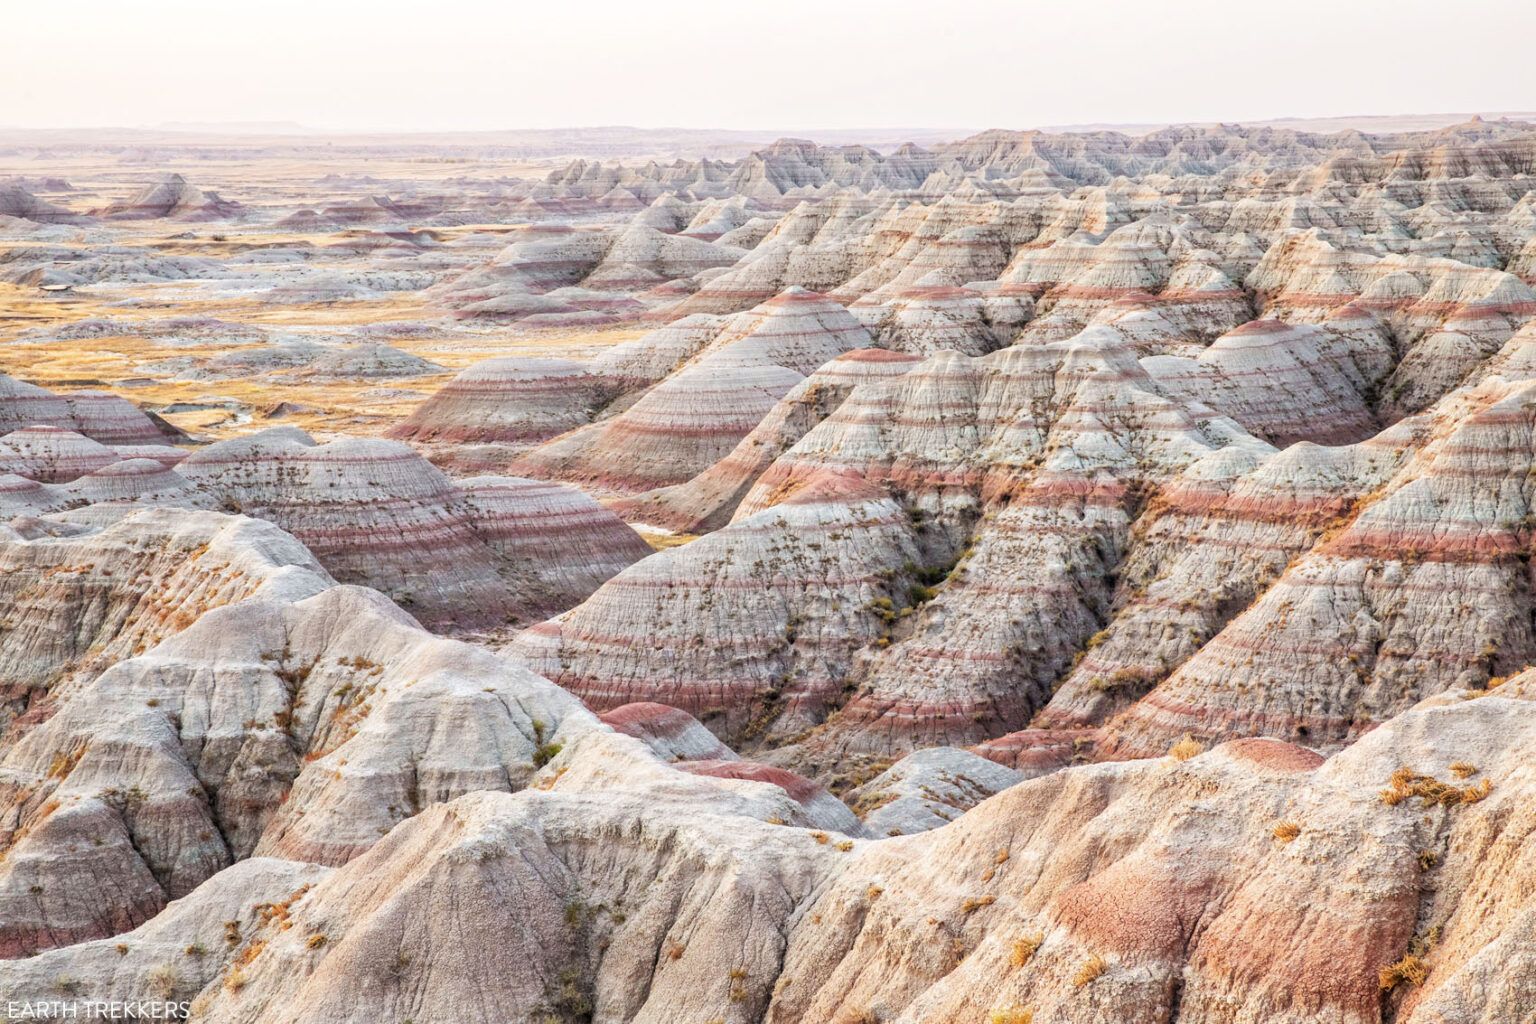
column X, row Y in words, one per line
column 328, row 407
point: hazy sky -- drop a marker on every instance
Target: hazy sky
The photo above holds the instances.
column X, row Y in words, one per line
column 458, row 64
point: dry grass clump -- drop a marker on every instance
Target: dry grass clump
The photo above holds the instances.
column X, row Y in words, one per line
column 163, row 980
column 1407, row 783
column 277, row 913
column 1463, row 770
column 1186, row 748
column 1023, row 949
column 1093, row 968
column 1410, row 968
column 64, row 762
column 975, row 903
column 1011, row 1015
column 1287, row 831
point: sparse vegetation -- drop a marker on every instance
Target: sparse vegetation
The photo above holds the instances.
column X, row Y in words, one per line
column 1023, row 949
column 1413, row 968
column 1406, row 784
column 1010, row 1015
column 1410, row 968
column 1186, row 748
column 1091, row 970
column 163, row 981
column 64, row 762
column 973, row 904
column 1287, row 831
column 569, row 998
column 861, row 1016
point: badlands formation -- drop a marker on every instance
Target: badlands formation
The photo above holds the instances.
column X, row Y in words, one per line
column 1029, row 579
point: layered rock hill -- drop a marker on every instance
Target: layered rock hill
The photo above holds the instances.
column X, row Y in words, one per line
column 16, row 201
column 695, row 416
column 492, row 552
column 1227, row 152
column 767, row 639
column 97, row 415
column 173, row 196
column 708, row 500
column 78, row 599
column 376, row 513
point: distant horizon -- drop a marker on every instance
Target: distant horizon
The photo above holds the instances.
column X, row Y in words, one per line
column 286, row 127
